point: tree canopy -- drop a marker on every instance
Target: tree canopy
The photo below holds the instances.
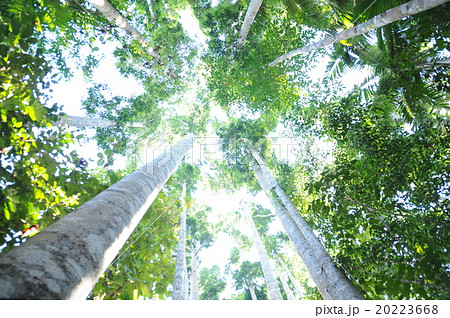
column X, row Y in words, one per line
column 366, row 165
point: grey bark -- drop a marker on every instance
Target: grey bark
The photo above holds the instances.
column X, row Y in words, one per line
column 387, row 17
column 179, row 284
column 78, row 121
column 252, row 10
column 331, row 282
column 287, row 289
column 269, row 276
column 294, row 281
column 65, row 260
column 194, row 276
column 115, row 17
column 251, row 288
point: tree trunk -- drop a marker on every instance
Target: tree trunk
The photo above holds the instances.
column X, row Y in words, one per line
column 252, row 291
column 287, row 289
column 387, row 17
column 180, row 264
column 298, row 289
column 269, row 276
column 115, row 17
column 252, row 10
column 77, row 121
column 65, row 260
column 331, row 282
column 194, row 276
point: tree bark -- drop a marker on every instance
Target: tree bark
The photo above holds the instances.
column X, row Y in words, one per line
column 179, row 283
column 115, row 17
column 387, row 17
column 65, row 260
column 298, row 289
column 251, row 288
column 331, row 282
column 269, row 276
column 252, row 10
column 194, row 276
column 78, row 121
column 287, row 289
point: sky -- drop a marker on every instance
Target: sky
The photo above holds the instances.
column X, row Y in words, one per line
column 70, row 94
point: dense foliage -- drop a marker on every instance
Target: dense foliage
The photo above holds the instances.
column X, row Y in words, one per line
column 371, row 171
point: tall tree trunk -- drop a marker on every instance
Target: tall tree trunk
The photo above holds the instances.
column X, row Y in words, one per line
column 387, row 17
column 331, row 282
column 115, row 17
column 269, row 276
column 77, row 121
column 251, row 288
column 287, row 289
column 65, row 260
column 179, row 284
column 194, row 276
column 298, row 289
column 252, row 10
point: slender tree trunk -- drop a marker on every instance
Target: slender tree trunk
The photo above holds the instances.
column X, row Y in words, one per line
column 90, row 122
column 252, row 10
column 65, row 260
column 251, row 288
column 194, row 276
column 77, row 121
column 331, row 282
column 298, row 289
column 186, row 281
column 115, row 17
column 387, row 17
column 180, row 278
column 287, row 289
column 269, row 276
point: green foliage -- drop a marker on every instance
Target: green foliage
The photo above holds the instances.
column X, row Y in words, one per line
column 136, row 118
column 40, row 179
column 394, row 226
column 211, row 282
column 238, row 79
column 250, row 274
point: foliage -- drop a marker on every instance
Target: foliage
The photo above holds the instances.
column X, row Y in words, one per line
column 395, row 226
column 211, row 282
column 40, row 179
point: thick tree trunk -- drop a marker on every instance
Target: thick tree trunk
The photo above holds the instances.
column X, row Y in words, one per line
column 65, row 260
column 194, row 276
column 252, row 10
column 331, row 282
column 115, row 17
column 269, row 276
column 298, row 289
column 179, row 283
column 387, row 17
column 251, row 288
